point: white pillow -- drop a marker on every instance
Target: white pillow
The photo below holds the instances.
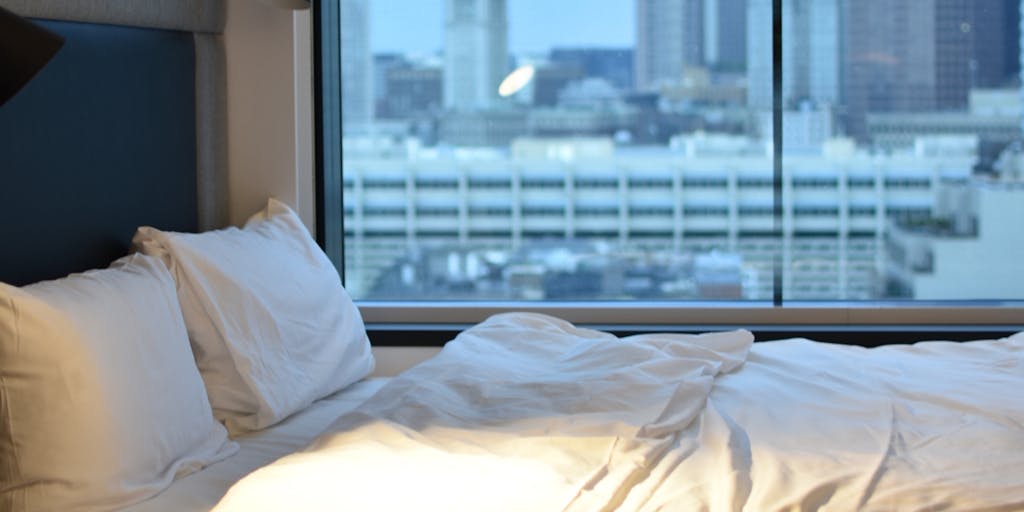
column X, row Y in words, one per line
column 101, row 405
column 271, row 325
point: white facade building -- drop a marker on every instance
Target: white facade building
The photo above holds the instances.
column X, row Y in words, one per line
column 972, row 249
column 715, row 193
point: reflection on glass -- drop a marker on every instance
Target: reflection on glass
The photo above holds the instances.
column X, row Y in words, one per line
column 490, row 152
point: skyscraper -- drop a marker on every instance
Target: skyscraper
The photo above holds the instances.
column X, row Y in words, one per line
column 475, row 53
column 759, row 54
column 725, row 34
column 357, row 95
column 669, row 37
column 995, row 29
column 904, row 55
column 810, row 53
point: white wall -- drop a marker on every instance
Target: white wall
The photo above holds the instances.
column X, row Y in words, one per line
column 269, row 108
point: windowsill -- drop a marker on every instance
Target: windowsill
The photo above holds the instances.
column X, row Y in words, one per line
column 633, row 314
column 433, row 323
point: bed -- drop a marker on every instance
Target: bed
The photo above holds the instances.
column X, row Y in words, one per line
column 189, row 375
column 527, row 412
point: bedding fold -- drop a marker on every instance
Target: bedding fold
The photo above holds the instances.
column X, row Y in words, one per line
column 814, row 426
column 521, row 412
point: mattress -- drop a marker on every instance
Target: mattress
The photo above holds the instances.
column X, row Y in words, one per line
column 200, row 491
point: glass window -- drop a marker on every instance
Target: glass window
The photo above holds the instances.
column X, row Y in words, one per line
column 542, row 163
column 901, row 121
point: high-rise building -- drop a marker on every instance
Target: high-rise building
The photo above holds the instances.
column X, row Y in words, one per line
column 995, row 28
column 810, row 53
column 904, row 55
column 725, row 34
column 475, row 53
column 357, row 94
column 669, row 38
column 759, row 54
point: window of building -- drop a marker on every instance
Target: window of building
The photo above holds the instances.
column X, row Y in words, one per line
column 758, row 163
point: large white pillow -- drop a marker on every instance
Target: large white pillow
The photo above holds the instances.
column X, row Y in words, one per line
column 271, row 325
column 101, row 404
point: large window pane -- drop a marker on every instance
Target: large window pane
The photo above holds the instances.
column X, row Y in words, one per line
column 577, row 149
column 901, row 129
column 630, row 154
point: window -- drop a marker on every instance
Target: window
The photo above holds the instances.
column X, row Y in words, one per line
column 551, row 157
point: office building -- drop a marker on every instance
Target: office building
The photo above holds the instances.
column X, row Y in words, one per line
column 725, row 34
column 810, row 53
column 358, row 95
column 904, row 55
column 612, row 64
column 967, row 249
column 475, row 53
column 669, row 38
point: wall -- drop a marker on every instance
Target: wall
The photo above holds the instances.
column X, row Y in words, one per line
column 269, row 108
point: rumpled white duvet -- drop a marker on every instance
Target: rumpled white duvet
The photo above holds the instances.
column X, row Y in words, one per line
column 525, row 412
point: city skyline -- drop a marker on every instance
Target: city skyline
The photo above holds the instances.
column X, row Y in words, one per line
column 656, row 147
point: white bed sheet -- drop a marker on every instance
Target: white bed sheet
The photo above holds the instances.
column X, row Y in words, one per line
column 523, row 413
column 805, row 425
column 200, row 491
column 520, row 413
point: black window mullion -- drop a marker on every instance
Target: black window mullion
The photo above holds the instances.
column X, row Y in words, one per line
column 330, row 218
column 777, row 296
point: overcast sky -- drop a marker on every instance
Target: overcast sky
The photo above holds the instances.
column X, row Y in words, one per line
column 534, row 26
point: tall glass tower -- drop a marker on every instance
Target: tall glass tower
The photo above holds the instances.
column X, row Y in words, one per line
column 357, row 98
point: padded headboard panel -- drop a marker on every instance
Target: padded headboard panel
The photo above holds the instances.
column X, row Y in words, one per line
column 108, row 136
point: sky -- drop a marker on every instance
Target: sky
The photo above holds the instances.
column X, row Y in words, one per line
column 535, row 26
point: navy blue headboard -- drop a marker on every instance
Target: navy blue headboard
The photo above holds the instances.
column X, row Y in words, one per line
column 101, row 141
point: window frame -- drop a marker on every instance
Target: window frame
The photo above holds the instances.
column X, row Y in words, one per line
column 392, row 322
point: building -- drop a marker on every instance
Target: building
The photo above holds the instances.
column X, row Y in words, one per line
column 725, row 35
column 759, row 54
column 712, row 192
column 904, row 56
column 993, row 116
column 551, row 79
column 669, row 38
column 612, row 64
column 382, row 64
column 967, row 250
column 413, row 91
column 810, row 53
column 358, row 98
column 804, row 131
column 995, row 28
column 476, row 53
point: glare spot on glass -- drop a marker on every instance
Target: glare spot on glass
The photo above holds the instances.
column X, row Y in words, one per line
column 516, row 80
